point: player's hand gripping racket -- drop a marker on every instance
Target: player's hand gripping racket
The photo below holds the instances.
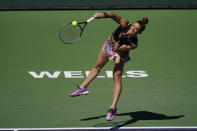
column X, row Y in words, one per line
column 71, row 32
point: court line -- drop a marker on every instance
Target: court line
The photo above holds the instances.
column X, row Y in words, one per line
column 88, row 128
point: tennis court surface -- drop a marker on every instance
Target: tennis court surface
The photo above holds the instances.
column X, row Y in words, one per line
column 38, row 72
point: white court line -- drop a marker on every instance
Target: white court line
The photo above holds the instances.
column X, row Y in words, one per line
column 75, row 128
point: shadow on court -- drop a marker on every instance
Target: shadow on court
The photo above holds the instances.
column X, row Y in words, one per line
column 135, row 116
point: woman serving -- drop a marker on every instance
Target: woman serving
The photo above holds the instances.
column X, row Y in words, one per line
column 117, row 47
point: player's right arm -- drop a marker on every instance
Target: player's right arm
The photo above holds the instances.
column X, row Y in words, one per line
column 123, row 22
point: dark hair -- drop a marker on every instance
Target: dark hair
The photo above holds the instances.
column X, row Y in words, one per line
column 143, row 23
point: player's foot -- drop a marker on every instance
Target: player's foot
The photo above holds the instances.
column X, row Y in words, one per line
column 111, row 114
column 79, row 91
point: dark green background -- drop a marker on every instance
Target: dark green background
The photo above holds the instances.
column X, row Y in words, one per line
column 29, row 42
column 96, row 4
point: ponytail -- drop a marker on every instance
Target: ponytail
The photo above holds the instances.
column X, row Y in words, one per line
column 143, row 23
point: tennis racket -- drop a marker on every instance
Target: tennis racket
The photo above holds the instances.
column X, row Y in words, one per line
column 70, row 33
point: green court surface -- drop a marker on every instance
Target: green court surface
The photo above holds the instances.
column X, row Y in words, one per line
column 166, row 55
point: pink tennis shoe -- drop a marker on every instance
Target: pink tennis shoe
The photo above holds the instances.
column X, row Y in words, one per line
column 111, row 114
column 79, row 91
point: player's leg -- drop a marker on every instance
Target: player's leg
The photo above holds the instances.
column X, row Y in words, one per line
column 117, row 76
column 100, row 62
column 102, row 59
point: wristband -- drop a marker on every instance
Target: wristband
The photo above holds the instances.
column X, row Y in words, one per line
column 105, row 15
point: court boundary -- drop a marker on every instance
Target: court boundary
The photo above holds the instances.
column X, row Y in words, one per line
column 193, row 128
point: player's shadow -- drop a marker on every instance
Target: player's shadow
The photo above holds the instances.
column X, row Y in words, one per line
column 135, row 116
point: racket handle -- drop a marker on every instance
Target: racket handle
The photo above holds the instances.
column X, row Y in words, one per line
column 89, row 20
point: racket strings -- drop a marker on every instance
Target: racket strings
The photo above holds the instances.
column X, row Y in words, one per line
column 69, row 33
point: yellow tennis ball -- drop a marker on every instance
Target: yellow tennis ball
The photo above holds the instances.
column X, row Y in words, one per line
column 74, row 23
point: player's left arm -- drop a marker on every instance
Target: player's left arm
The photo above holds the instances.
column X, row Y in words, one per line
column 122, row 21
column 125, row 47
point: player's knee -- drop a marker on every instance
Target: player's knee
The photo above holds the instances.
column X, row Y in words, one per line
column 97, row 67
column 117, row 77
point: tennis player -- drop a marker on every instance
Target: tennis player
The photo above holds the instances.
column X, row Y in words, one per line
column 117, row 47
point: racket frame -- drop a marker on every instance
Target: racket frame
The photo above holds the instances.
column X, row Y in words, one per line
column 81, row 28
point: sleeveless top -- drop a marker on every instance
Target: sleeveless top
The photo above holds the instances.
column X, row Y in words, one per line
column 116, row 37
column 122, row 40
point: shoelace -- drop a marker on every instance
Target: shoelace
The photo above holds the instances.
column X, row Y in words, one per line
column 112, row 111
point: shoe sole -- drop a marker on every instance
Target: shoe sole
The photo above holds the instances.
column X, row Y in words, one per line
column 110, row 119
column 84, row 93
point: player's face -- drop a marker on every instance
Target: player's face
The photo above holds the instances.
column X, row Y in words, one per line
column 135, row 29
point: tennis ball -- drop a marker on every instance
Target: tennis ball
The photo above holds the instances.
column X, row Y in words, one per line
column 74, row 23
